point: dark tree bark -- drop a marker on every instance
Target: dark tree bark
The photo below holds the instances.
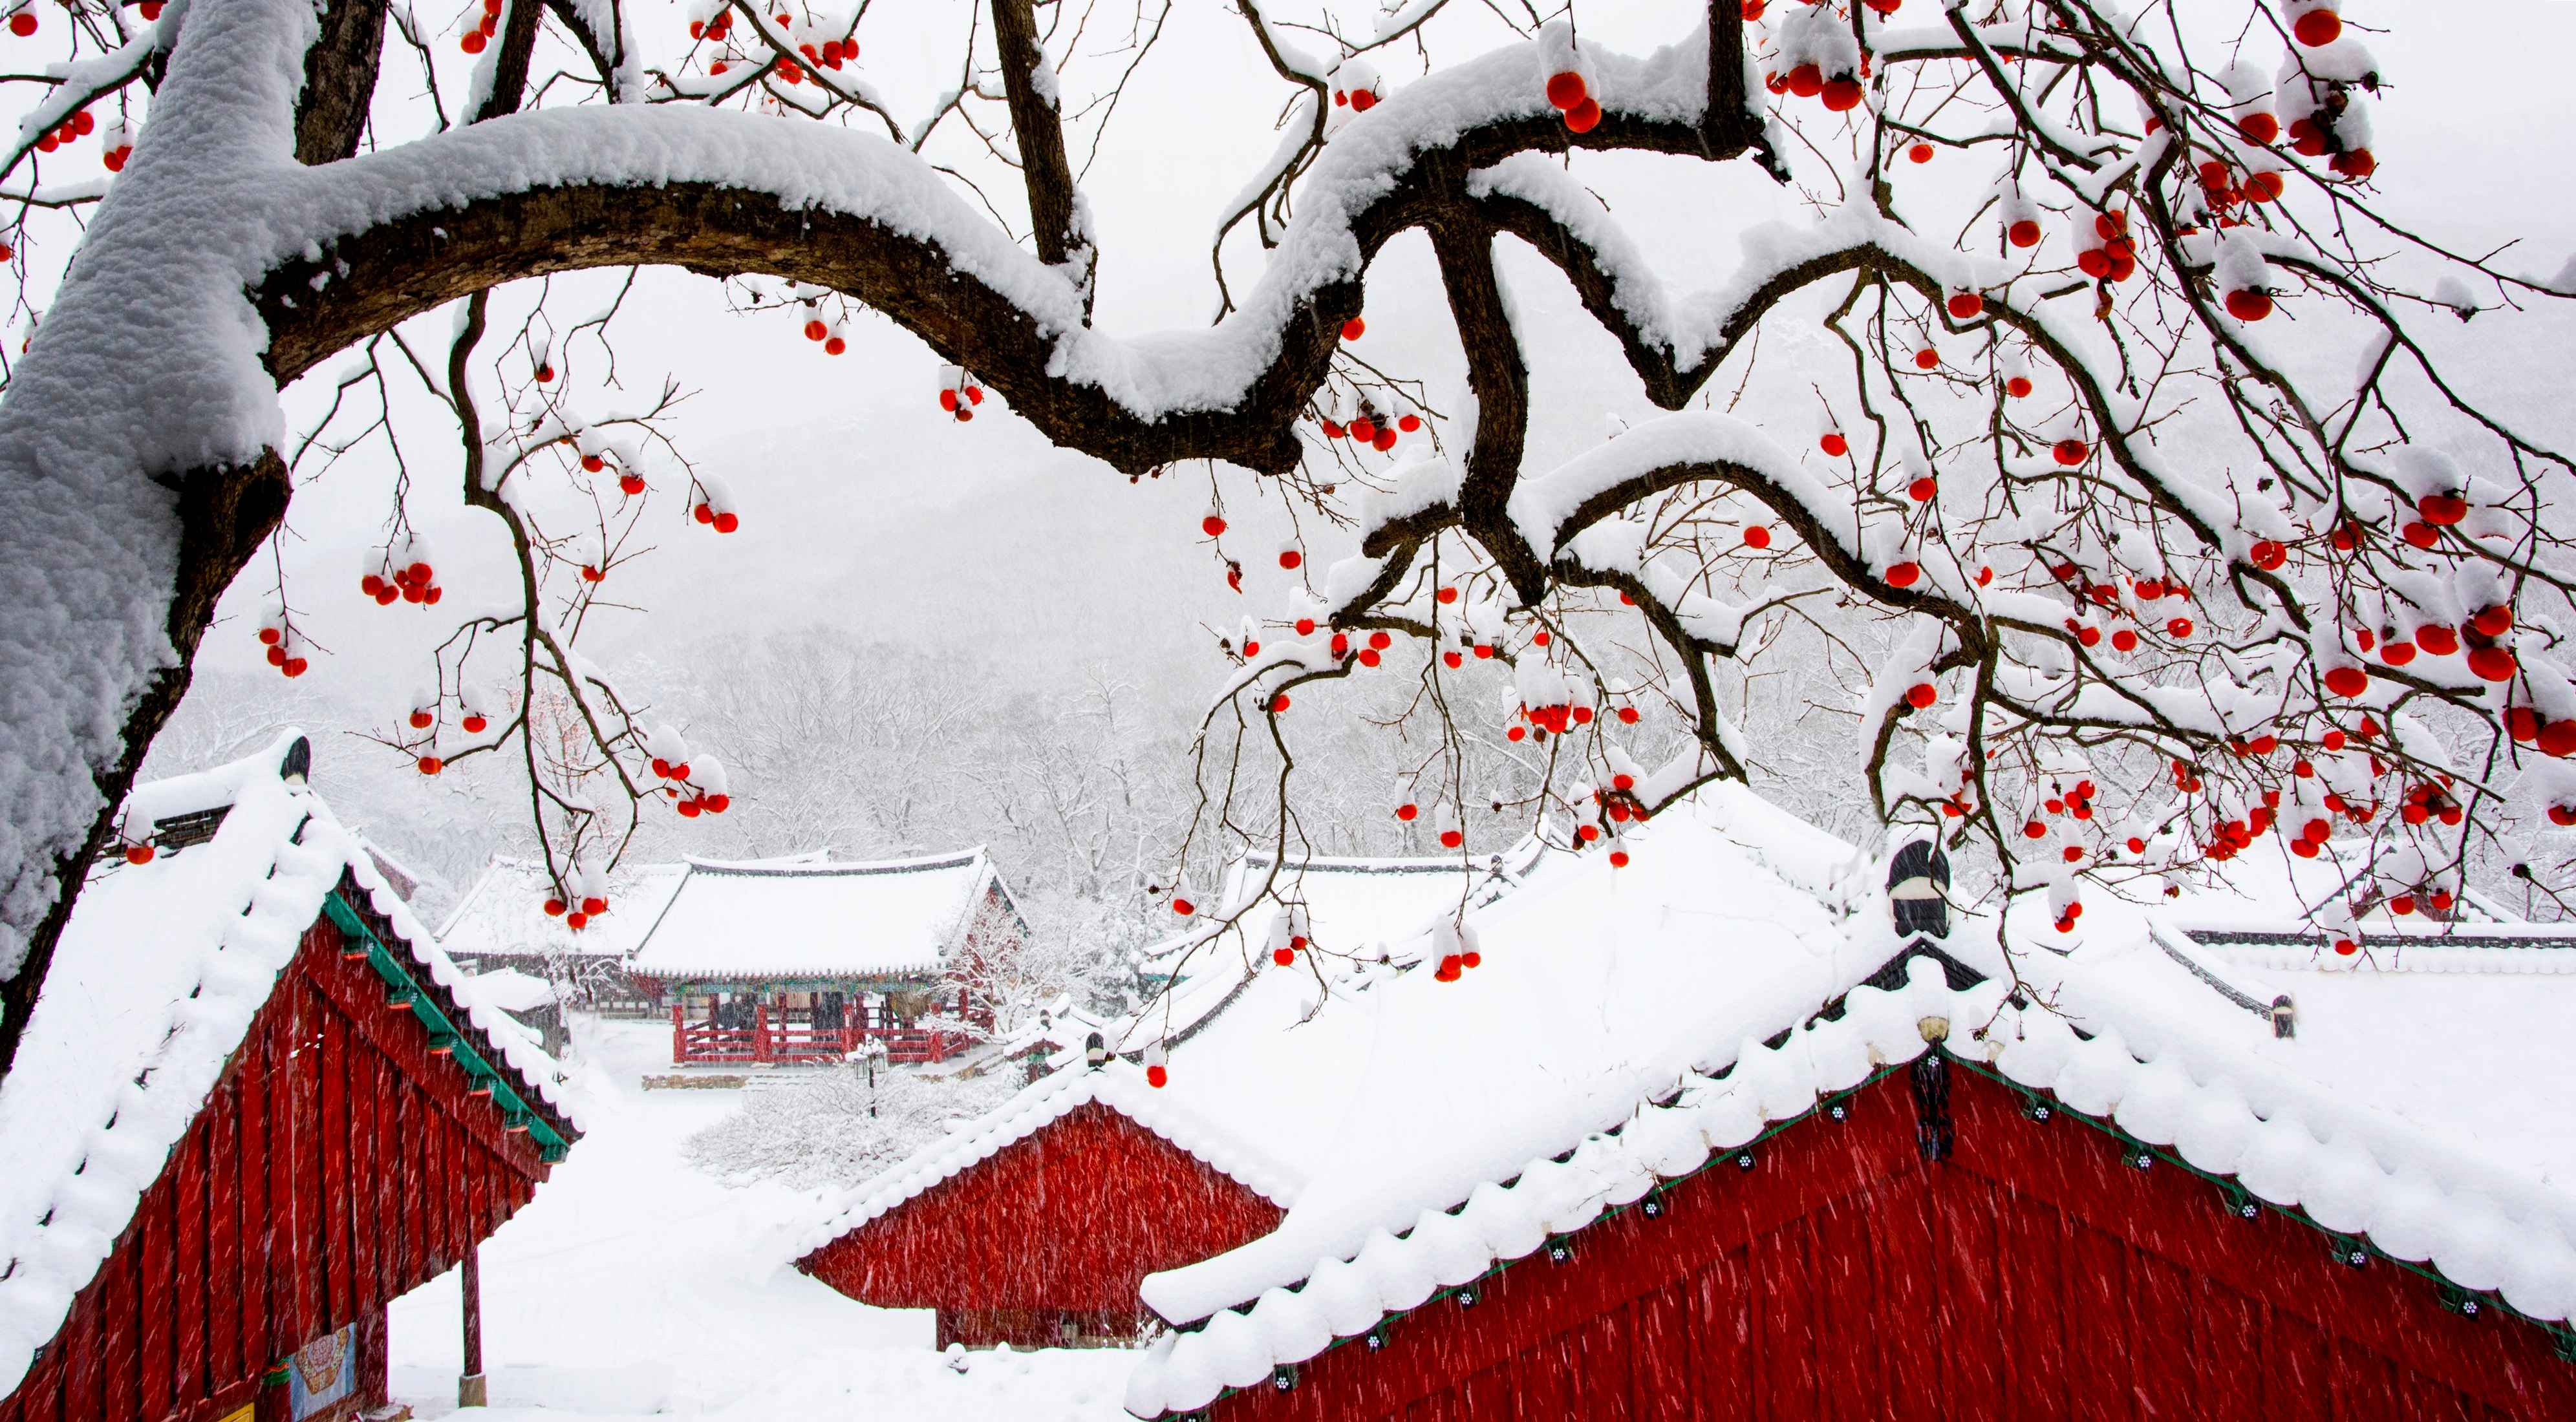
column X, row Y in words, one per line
column 339, row 81
column 1044, row 169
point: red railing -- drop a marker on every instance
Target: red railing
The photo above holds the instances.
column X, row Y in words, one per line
column 786, row 1043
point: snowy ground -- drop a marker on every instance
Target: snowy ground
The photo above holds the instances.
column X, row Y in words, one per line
column 637, row 1286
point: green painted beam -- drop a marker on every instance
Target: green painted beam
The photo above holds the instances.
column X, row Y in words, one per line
column 403, row 990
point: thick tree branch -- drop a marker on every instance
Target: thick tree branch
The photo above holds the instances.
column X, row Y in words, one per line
column 416, row 262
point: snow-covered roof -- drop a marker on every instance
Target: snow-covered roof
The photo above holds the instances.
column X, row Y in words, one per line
column 2458, row 1027
column 504, row 913
column 2268, row 908
column 733, row 921
column 513, row 991
column 1597, row 986
column 1353, row 906
column 152, row 987
column 400, row 877
column 2343, row 1120
column 1354, row 900
column 1118, row 1085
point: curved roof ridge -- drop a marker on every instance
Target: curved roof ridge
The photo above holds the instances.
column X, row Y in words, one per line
column 824, row 868
column 1513, row 860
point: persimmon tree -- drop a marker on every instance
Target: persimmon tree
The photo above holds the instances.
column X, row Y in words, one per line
column 2175, row 536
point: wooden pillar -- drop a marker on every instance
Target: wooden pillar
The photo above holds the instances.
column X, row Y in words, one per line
column 679, row 1032
column 470, row 1391
column 760, row 1031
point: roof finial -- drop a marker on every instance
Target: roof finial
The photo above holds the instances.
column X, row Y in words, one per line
column 297, row 767
column 1918, row 883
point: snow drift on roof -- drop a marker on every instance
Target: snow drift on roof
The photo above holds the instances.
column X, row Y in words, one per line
column 1354, row 907
column 153, row 986
column 1352, row 902
column 512, row 991
column 769, row 920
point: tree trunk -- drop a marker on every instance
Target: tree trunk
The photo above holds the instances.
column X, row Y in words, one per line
column 224, row 513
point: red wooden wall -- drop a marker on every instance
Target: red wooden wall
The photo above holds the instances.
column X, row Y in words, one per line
column 337, row 1165
column 1069, row 1220
column 2033, row 1275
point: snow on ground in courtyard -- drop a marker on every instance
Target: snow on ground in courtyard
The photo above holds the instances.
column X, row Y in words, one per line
column 634, row 1285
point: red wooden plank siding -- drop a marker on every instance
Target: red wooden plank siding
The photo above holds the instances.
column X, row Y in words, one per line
column 312, row 1129
column 225, row 1305
column 361, row 1183
column 2227, row 1342
column 155, row 1267
column 2033, row 1275
column 119, row 1357
column 479, row 1215
column 2030, row 1246
column 1543, row 1383
column 190, row 1304
column 1971, row 1296
column 83, row 1367
column 2093, row 1278
column 385, row 1173
column 1597, row 1354
column 321, row 1178
column 2368, row 1385
column 464, row 1158
column 251, row 1230
column 1491, row 1393
column 2296, row 1367
column 1910, row 1373
column 1144, row 1205
column 409, row 1141
column 428, row 1210
column 1845, row 1317
column 277, row 1225
column 2162, row 1300
column 333, row 1138
column 1659, row 1366
column 1722, row 1332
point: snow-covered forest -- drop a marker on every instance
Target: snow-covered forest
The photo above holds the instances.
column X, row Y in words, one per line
column 1081, row 789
